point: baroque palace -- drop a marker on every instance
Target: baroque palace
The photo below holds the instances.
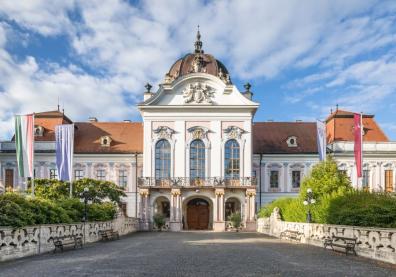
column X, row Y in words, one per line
column 197, row 156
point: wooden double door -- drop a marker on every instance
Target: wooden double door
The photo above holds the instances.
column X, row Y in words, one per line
column 198, row 214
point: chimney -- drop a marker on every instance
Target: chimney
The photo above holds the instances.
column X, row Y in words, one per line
column 92, row 119
column 298, row 120
column 127, row 120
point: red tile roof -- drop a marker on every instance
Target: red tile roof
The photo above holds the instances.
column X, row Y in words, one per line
column 127, row 137
column 271, row 137
column 339, row 127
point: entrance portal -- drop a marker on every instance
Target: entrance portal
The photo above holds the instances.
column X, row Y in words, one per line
column 198, row 214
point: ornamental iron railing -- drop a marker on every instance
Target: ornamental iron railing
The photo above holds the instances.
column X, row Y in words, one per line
column 196, row 182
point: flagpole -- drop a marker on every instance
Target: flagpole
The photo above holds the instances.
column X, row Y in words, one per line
column 361, row 143
column 33, row 160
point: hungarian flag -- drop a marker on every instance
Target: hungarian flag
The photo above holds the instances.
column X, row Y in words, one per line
column 358, row 132
column 24, row 143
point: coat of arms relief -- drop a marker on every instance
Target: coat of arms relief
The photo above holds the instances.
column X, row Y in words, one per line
column 198, row 93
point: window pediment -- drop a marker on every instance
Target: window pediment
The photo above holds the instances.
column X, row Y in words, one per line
column 198, row 132
column 163, row 132
column 234, row 132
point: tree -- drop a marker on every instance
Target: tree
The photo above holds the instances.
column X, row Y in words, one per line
column 325, row 179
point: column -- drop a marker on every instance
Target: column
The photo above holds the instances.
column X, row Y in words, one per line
column 250, row 209
column 175, row 209
column 144, row 209
column 219, row 223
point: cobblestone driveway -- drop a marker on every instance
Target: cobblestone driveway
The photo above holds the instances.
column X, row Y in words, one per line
column 195, row 254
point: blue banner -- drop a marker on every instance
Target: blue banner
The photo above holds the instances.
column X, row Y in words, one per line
column 64, row 135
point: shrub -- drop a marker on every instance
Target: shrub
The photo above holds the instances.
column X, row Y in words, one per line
column 159, row 221
column 101, row 211
column 236, row 220
column 361, row 208
column 73, row 207
column 324, row 179
column 11, row 214
column 98, row 190
column 52, row 189
column 281, row 203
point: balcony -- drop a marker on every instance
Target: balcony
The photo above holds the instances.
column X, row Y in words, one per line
column 185, row 182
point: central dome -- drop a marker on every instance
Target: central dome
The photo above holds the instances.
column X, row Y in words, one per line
column 198, row 62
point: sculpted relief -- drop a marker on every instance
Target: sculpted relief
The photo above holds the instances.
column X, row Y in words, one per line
column 198, row 93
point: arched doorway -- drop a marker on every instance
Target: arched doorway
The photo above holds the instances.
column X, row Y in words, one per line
column 232, row 205
column 198, row 214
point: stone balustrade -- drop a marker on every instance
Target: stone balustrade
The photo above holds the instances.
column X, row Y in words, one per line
column 374, row 243
column 18, row 243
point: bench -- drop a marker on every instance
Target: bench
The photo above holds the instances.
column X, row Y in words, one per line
column 109, row 234
column 291, row 235
column 345, row 243
column 73, row 240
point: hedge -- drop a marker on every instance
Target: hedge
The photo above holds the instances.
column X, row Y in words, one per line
column 18, row 211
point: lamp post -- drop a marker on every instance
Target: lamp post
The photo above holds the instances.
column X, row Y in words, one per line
column 309, row 200
column 85, row 196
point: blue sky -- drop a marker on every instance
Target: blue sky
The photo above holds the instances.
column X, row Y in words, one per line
column 302, row 57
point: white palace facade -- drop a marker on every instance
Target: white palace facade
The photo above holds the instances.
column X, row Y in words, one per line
column 198, row 156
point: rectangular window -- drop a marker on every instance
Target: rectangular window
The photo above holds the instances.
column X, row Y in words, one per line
column 122, row 178
column 274, row 179
column 53, row 173
column 296, row 178
column 9, row 179
column 78, row 174
column 389, row 180
column 101, row 174
column 365, row 180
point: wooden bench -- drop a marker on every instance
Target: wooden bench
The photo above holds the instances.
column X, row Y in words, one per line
column 73, row 240
column 291, row 235
column 345, row 243
column 109, row 234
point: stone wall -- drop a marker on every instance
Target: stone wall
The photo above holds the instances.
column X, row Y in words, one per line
column 18, row 243
column 374, row 243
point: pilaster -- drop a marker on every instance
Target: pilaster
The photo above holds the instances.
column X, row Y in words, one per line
column 175, row 211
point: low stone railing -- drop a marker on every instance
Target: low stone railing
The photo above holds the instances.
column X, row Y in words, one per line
column 374, row 243
column 18, row 243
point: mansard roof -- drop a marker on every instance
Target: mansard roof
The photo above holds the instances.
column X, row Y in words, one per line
column 272, row 137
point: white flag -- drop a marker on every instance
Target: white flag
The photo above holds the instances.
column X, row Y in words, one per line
column 321, row 139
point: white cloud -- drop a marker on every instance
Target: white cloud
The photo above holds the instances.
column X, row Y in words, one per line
column 130, row 45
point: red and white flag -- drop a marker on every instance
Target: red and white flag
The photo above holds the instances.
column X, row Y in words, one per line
column 358, row 132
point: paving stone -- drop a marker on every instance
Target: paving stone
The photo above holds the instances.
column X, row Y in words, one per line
column 196, row 254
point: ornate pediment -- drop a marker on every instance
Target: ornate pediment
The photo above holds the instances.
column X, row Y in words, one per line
column 198, row 93
column 198, row 132
column 163, row 132
column 234, row 132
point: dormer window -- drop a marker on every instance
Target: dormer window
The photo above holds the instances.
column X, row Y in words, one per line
column 105, row 141
column 38, row 131
column 291, row 141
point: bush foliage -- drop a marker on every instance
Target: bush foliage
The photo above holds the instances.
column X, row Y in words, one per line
column 99, row 191
column 336, row 201
column 18, row 211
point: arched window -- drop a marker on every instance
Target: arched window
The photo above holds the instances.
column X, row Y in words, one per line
column 162, row 159
column 231, row 159
column 197, row 159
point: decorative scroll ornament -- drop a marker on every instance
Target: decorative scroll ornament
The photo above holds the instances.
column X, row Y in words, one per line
column 198, row 93
column 164, row 132
column 198, row 132
column 234, row 132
